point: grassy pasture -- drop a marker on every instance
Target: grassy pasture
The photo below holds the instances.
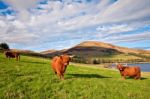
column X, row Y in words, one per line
column 32, row 78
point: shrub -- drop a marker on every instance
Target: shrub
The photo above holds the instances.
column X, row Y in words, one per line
column 4, row 46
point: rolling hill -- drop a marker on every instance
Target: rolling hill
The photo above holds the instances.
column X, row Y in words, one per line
column 28, row 52
column 91, row 50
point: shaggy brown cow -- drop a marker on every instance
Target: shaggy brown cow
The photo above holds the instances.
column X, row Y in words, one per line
column 131, row 71
column 10, row 54
column 59, row 65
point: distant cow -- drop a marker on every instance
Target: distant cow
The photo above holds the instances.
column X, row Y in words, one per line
column 10, row 54
column 59, row 65
column 131, row 71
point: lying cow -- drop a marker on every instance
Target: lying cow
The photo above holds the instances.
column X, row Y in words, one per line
column 59, row 65
column 131, row 71
column 10, row 54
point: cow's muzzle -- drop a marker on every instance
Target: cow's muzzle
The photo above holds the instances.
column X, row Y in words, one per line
column 66, row 64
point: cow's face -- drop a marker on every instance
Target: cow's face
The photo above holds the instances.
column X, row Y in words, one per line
column 65, row 59
column 120, row 67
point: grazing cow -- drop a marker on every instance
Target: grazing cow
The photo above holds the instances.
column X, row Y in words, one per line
column 131, row 71
column 10, row 54
column 59, row 65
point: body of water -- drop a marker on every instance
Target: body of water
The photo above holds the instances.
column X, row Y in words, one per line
column 145, row 67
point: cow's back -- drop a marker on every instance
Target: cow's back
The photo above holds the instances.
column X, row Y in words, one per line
column 56, row 64
column 9, row 54
column 54, row 60
column 132, row 71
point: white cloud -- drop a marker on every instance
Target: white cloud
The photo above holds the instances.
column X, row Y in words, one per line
column 18, row 24
column 131, row 37
column 115, row 28
column 124, row 10
column 22, row 7
column 64, row 19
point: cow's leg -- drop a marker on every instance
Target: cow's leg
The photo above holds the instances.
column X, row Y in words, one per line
column 62, row 76
column 19, row 57
column 59, row 75
column 7, row 57
column 137, row 77
column 54, row 70
column 16, row 58
column 123, row 77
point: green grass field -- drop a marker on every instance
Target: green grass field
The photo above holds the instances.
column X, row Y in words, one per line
column 32, row 78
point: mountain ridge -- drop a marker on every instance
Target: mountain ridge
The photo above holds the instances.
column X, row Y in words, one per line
column 95, row 45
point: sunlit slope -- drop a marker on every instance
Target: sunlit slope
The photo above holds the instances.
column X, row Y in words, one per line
column 89, row 51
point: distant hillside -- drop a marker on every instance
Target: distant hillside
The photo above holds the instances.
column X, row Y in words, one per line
column 22, row 51
column 110, row 46
column 91, row 50
column 48, row 51
column 28, row 52
column 52, row 53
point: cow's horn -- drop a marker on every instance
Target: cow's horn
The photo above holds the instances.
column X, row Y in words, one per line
column 71, row 56
column 116, row 63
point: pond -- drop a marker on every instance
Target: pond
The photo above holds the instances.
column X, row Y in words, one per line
column 145, row 67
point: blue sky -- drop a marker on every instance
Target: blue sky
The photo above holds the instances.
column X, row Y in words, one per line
column 58, row 24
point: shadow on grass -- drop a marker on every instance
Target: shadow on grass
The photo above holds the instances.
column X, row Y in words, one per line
column 33, row 62
column 87, row 76
column 142, row 78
